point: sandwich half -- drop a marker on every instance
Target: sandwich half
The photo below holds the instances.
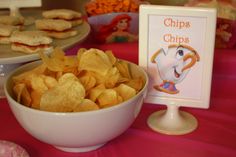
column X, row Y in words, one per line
column 12, row 20
column 30, row 41
column 71, row 16
column 56, row 28
column 5, row 33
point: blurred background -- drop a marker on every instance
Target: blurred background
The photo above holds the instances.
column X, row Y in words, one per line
column 78, row 4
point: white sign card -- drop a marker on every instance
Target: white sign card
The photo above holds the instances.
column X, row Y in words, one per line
column 176, row 46
column 15, row 5
column 20, row 3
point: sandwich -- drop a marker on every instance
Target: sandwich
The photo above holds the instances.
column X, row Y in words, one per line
column 56, row 28
column 12, row 20
column 5, row 33
column 64, row 14
column 30, row 41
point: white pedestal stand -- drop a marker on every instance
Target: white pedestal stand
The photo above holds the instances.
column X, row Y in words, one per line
column 172, row 121
column 15, row 5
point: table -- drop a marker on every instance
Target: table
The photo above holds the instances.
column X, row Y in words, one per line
column 214, row 137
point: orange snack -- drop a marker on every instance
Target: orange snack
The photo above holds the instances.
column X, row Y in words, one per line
column 108, row 6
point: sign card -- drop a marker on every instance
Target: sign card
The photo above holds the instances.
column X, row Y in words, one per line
column 15, row 5
column 176, row 46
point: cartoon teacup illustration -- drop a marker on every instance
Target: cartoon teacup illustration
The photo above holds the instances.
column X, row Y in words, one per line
column 173, row 65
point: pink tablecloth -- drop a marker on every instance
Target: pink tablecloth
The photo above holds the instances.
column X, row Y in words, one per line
column 214, row 137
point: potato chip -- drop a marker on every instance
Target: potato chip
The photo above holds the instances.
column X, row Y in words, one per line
column 100, row 79
column 54, row 100
column 25, row 75
column 111, row 57
column 123, row 68
column 109, row 80
column 80, row 53
column 54, row 64
column 68, row 69
column 112, row 77
column 37, row 83
column 109, row 97
column 58, row 62
column 17, row 89
column 58, row 53
column 49, row 81
column 88, row 81
column 40, row 84
column 122, row 80
column 50, row 73
column 58, row 74
column 64, row 97
column 67, row 77
column 71, row 61
column 96, row 91
column 36, row 97
column 125, row 91
column 40, row 69
column 71, row 65
column 96, row 61
column 22, row 94
column 86, row 105
column 136, row 83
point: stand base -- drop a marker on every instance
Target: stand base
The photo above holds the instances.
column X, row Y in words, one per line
column 79, row 149
column 184, row 124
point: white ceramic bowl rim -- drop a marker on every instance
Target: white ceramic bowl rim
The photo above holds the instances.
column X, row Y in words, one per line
column 104, row 110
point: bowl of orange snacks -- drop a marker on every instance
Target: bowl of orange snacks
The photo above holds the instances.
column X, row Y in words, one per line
column 76, row 103
column 98, row 7
column 114, row 21
column 114, row 27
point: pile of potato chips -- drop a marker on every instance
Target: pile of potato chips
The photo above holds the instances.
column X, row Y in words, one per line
column 92, row 80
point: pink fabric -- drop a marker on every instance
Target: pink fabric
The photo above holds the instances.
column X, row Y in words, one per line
column 10, row 149
column 214, row 137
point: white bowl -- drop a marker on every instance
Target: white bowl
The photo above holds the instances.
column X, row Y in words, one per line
column 81, row 131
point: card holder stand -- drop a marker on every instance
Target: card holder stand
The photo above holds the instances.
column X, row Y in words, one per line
column 172, row 121
column 15, row 5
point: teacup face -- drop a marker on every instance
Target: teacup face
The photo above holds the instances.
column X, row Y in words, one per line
column 174, row 64
column 170, row 64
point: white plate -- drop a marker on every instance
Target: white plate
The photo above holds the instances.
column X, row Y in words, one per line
column 10, row 60
column 7, row 56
